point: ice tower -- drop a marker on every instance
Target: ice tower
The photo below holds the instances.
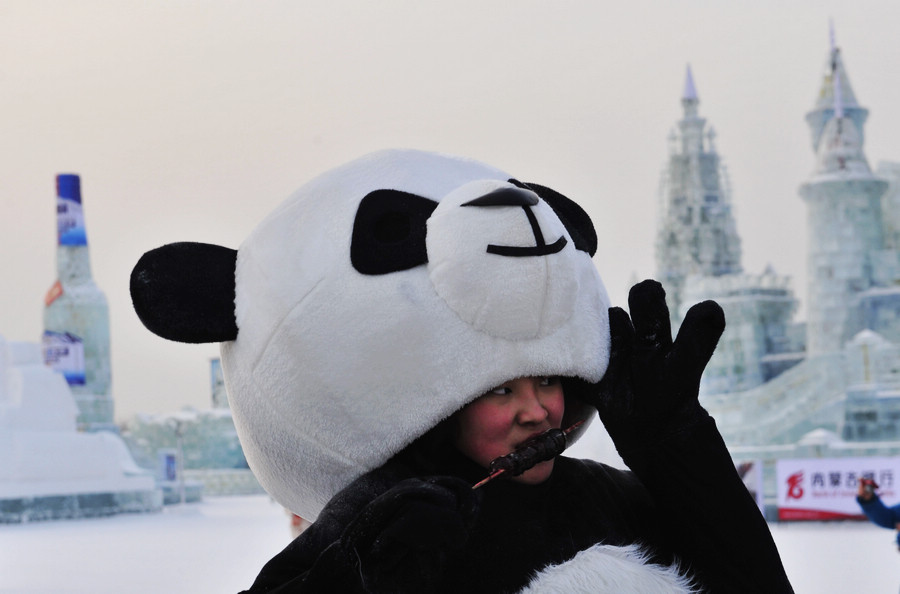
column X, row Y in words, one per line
column 844, row 215
column 696, row 232
column 845, row 379
column 76, row 315
column 698, row 256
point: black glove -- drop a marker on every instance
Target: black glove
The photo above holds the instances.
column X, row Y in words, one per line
column 649, row 393
column 404, row 539
column 648, row 402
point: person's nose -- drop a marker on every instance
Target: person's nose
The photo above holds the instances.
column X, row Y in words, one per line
column 531, row 409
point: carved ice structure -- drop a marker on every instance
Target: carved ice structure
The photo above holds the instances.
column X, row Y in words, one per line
column 49, row 470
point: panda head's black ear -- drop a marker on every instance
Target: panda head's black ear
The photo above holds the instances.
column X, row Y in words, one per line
column 575, row 219
column 185, row 292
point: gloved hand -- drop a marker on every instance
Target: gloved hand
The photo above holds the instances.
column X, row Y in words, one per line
column 649, row 393
column 404, row 538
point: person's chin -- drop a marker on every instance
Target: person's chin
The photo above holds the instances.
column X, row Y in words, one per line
column 536, row 475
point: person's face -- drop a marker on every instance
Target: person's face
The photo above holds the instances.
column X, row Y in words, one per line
column 501, row 420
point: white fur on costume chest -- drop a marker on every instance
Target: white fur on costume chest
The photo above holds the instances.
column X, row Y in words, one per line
column 605, row 568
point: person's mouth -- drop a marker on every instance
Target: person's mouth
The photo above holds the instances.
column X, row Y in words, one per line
column 529, row 439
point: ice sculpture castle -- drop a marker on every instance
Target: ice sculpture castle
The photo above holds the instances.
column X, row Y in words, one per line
column 775, row 386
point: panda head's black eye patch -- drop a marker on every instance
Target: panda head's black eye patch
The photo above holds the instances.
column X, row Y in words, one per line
column 392, row 227
column 389, row 232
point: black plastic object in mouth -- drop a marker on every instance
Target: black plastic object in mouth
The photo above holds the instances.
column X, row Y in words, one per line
column 525, row 200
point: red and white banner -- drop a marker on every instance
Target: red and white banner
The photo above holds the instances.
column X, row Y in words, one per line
column 825, row 488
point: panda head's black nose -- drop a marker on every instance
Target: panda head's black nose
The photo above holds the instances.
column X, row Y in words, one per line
column 505, row 197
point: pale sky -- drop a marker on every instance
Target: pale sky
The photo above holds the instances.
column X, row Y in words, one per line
column 191, row 120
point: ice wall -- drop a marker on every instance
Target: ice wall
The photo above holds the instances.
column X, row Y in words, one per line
column 48, row 469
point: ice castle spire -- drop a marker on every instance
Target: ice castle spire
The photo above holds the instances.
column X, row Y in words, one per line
column 843, row 198
column 696, row 233
column 834, row 91
column 835, row 81
column 840, row 140
column 692, row 124
column 690, row 91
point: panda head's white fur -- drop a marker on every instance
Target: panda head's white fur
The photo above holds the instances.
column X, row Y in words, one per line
column 375, row 302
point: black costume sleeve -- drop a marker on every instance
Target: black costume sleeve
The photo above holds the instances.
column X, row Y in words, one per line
column 648, row 402
column 315, row 561
column 384, row 533
column 713, row 522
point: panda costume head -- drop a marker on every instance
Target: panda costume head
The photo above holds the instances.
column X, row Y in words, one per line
column 375, row 302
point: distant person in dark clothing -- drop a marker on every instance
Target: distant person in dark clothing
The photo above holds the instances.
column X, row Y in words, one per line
column 875, row 509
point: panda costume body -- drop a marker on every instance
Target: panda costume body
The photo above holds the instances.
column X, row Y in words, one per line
column 386, row 295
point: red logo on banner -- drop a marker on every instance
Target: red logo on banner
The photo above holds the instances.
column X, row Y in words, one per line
column 53, row 294
column 795, row 489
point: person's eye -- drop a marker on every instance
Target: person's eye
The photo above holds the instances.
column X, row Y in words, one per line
column 549, row 381
column 500, row 391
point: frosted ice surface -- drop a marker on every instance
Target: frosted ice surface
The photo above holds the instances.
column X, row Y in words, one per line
column 47, row 468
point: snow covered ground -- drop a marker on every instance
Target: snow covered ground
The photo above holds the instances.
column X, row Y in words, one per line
column 220, row 544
